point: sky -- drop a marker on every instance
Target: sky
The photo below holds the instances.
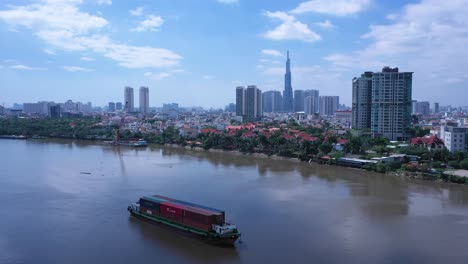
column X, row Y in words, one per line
column 196, row 52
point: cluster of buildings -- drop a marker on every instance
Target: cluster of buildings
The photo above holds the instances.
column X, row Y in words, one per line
column 251, row 103
column 129, row 102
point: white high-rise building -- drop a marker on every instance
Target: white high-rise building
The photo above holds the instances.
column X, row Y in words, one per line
column 328, row 105
column 391, row 104
column 362, row 102
column 455, row 138
column 249, row 102
column 144, row 100
column 310, row 105
column 128, row 99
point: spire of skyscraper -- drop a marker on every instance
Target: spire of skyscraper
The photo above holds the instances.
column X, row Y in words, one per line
column 287, row 93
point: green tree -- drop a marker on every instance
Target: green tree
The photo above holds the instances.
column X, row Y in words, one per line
column 464, row 164
column 326, row 148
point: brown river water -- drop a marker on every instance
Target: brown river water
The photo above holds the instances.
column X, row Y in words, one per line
column 288, row 212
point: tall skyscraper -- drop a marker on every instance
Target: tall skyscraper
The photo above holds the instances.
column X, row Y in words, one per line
column 328, row 105
column 391, row 104
column 315, row 95
column 118, row 106
column 128, row 99
column 111, row 107
column 310, row 104
column 298, row 100
column 362, row 102
column 240, row 101
column 249, row 102
column 272, row 101
column 436, row 108
column 144, row 100
column 288, row 92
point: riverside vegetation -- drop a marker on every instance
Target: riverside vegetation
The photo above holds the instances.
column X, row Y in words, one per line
column 322, row 143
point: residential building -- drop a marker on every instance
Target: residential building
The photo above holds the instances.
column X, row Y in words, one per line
column 288, row 91
column 253, row 102
column 413, row 106
column 362, row 102
column 129, row 100
column 170, row 107
column 231, row 108
column 423, row 108
column 310, row 104
column 39, row 108
column 55, row 111
column 431, row 142
column 2, row 110
column 436, row 108
column 144, row 100
column 345, row 117
column 118, row 106
column 298, row 101
column 272, row 101
column 111, row 107
column 240, row 101
column 328, row 105
column 315, row 95
column 391, row 104
column 455, row 138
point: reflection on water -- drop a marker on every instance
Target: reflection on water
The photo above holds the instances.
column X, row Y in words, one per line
column 288, row 211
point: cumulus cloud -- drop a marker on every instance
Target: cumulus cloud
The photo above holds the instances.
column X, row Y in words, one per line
column 428, row 38
column 86, row 59
column 325, row 24
column 137, row 11
column 335, row 7
column 151, row 23
column 272, row 52
column 290, row 29
column 62, row 25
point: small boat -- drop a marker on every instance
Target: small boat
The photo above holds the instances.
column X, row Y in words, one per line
column 196, row 220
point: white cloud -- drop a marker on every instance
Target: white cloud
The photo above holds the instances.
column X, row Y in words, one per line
column 151, row 23
column 76, row 69
column 325, row 24
column 104, row 2
column 290, row 29
column 137, row 11
column 50, row 52
column 162, row 75
column 86, row 59
column 428, row 38
column 26, row 68
column 272, row 52
column 63, row 26
column 228, row 1
column 335, row 7
column 157, row 76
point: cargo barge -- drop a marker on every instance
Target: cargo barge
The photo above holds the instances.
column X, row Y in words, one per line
column 196, row 220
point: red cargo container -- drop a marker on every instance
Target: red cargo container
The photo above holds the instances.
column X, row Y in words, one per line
column 191, row 223
column 172, row 211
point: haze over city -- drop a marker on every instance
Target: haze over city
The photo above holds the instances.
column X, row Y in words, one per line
column 197, row 52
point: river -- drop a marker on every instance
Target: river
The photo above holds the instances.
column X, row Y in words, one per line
column 288, row 212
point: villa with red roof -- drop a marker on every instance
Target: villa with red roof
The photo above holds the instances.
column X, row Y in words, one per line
column 429, row 142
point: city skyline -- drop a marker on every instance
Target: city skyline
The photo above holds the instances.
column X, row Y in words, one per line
column 91, row 49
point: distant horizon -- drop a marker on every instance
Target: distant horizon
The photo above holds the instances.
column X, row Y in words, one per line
column 197, row 52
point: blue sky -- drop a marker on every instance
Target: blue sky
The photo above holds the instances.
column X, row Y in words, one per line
column 197, row 52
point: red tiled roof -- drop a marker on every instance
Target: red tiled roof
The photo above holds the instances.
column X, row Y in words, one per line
column 428, row 140
column 248, row 134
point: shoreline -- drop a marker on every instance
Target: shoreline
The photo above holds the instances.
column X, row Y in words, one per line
column 420, row 176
